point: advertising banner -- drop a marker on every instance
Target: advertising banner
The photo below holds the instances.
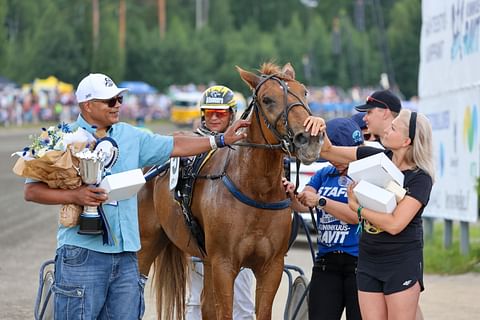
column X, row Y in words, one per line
column 449, row 90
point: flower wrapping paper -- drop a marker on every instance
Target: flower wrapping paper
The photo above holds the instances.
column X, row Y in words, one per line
column 58, row 169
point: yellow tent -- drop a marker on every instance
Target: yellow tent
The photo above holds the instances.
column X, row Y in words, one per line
column 52, row 83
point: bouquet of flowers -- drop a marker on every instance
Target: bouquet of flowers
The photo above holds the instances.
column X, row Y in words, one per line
column 50, row 158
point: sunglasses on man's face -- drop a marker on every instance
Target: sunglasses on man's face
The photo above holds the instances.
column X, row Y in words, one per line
column 371, row 99
column 112, row 102
column 219, row 113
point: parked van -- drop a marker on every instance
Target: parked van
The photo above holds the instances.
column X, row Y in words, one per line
column 185, row 108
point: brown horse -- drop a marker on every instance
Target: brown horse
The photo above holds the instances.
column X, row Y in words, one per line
column 238, row 233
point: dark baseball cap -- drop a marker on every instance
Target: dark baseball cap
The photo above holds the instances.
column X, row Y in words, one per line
column 358, row 118
column 344, row 132
column 384, row 99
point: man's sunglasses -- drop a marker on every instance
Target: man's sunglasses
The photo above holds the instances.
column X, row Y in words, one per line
column 220, row 113
column 112, row 102
column 371, row 99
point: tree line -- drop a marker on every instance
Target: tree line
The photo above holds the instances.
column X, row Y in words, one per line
column 343, row 42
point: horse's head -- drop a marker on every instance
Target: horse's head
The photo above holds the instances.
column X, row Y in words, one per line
column 280, row 105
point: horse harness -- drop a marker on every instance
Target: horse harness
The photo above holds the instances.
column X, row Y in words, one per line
column 190, row 167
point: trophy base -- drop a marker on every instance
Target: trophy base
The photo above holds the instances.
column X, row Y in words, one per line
column 90, row 225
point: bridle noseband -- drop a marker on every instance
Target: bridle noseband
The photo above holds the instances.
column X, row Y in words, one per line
column 285, row 140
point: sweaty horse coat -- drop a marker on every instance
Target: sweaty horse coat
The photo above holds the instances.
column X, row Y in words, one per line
column 236, row 234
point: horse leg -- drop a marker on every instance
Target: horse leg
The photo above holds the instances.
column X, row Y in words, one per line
column 208, row 295
column 152, row 236
column 268, row 281
column 153, row 243
column 217, row 295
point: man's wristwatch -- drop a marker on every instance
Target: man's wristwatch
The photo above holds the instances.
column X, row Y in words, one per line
column 322, row 202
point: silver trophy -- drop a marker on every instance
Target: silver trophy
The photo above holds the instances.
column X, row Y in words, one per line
column 91, row 169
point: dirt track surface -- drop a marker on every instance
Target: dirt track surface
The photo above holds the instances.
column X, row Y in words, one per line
column 445, row 297
column 28, row 236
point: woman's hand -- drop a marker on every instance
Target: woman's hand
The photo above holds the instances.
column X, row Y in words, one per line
column 289, row 187
column 315, row 125
column 352, row 199
column 308, row 198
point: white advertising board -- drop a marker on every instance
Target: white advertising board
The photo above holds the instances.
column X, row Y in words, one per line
column 449, row 46
column 449, row 90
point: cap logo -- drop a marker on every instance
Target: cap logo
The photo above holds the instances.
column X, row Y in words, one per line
column 108, row 82
column 214, row 100
column 88, row 95
column 357, row 136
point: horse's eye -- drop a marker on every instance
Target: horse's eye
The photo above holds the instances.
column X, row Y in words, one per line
column 267, row 100
column 306, row 93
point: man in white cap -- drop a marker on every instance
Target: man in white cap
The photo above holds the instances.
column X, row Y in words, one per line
column 94, row 280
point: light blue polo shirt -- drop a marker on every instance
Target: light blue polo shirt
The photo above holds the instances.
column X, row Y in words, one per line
column 137, row 149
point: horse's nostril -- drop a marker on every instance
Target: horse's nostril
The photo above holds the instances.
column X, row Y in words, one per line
column 300, row 139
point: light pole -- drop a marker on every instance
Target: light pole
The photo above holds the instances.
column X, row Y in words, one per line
column 310, row 3
column 201, row 13
column 308, row 60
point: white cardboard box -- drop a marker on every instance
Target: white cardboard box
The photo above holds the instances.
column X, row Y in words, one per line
column 375, row 198
column 377, row 169
column 123, row 185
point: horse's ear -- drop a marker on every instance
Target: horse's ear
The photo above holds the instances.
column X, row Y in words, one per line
column 288, row 70
column 249, row 78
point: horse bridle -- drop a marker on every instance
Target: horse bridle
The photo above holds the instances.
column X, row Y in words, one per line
column 286, row 142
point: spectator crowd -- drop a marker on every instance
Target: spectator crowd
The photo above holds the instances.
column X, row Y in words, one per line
column 27, row 106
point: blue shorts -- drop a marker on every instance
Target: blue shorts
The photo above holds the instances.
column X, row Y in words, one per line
column 94, row 285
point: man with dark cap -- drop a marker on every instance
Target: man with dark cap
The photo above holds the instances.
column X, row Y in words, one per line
column 381, row 108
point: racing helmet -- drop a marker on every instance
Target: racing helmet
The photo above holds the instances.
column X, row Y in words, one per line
column 218, row 97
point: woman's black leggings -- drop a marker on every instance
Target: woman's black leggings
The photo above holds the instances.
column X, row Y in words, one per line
column 333, row 287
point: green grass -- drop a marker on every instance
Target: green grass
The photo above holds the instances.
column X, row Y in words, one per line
column 451, row 261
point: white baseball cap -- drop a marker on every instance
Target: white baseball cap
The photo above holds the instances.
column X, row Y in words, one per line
column 97, row 86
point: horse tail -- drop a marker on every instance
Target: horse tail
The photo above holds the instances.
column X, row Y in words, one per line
column 170, row 281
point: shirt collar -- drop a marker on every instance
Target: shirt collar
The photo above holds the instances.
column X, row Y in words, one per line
column 82, row 123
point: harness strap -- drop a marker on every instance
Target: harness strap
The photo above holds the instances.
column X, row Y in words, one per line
column 156, row 170
column 249, row 201
column 294, row 232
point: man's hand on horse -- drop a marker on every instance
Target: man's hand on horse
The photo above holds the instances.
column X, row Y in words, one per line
column 315, row 125
column 232, row 134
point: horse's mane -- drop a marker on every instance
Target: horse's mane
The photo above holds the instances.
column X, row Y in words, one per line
column 269, row 68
